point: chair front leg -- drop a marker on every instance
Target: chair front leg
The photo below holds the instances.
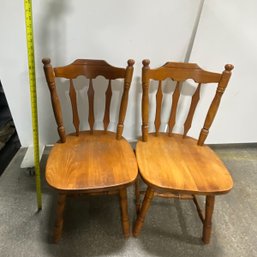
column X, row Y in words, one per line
column 207, row 225
column 124, row 212
column 145, row 206
column 59, row 217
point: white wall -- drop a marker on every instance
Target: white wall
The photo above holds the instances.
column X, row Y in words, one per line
column 64, row 30
column 13, row 66
column 227, row 34
column 117, row 30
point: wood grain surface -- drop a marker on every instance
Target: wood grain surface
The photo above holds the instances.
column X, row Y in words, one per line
column 91, row 162
column 180, row 165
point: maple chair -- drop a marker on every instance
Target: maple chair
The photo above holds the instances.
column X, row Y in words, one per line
column 176, row 165
column 93, row 161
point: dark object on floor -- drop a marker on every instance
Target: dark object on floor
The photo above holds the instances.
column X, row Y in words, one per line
column 9, row 141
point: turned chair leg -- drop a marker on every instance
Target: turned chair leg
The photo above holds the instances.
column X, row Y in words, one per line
column 137, row 194
column 145, row 206
column 207, row 225
column 124, row 212
column 59, row 217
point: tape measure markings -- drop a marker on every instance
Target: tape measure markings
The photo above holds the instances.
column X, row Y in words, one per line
column 33, row 95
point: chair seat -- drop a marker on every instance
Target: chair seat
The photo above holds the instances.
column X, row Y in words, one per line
column 178, row 164
column 91, row 162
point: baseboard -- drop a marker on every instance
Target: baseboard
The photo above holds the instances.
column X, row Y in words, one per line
column 233, row 145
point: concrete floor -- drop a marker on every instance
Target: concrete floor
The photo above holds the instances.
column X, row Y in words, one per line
column 92, row 225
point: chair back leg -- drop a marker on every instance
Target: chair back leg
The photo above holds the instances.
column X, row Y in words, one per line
column 137, row 194
column 145, row 206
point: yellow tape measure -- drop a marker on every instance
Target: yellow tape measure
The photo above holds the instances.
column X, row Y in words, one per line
column 33, row 95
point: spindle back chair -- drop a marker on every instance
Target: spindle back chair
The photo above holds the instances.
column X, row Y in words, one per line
column 92, row 161
column 174, row 165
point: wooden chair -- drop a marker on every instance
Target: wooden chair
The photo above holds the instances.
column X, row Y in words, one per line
column 174, row 165
column 94, row 161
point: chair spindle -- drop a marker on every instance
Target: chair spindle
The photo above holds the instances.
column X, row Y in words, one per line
column 145, row 99
column 215, row 103
column 49, row 72
column 91, row 116
column 108, row 97
column 73, row 99
column 124, row 99
column 175, row 98
column 159, row 96
column 194, row 101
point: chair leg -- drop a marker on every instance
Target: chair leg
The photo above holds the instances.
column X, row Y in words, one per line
column 207, row 225
column 137, row 194
column 59, row 217
column 145, row 206
column 124, row 212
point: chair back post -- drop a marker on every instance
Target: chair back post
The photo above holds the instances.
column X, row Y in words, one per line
column 124, row 99
column 145, row 99
column 215, row 103
column 50, row 78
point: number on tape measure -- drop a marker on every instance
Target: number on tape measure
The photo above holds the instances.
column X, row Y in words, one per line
column 33, row 94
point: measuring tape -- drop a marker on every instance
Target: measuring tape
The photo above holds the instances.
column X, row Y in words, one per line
column 33, row 95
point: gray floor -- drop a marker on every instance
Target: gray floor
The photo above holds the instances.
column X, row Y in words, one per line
column 92, row 224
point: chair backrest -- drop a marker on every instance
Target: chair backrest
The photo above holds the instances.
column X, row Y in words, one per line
column 90, row 69
column 180, row 72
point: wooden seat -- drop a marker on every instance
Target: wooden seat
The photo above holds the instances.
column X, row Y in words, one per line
column 174, row 165
column 90, row 162
column 181, row 165
column 93, row 161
